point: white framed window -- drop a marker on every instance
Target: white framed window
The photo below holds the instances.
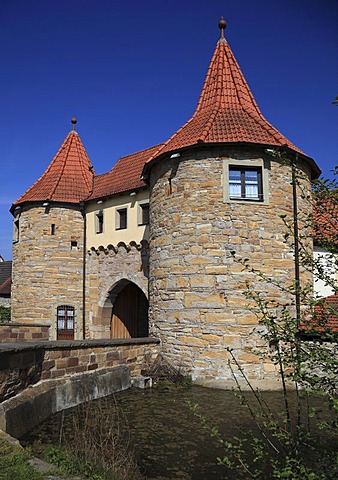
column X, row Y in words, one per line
column 245, row 181
column 143, row 214
column 121, row 219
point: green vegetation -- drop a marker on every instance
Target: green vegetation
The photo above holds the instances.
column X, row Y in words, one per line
column 5, row 314
column 93, row 445
column 73, row 465
column 14, row 463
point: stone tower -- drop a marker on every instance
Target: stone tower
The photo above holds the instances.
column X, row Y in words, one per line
column 48, row 243
column 216, row 189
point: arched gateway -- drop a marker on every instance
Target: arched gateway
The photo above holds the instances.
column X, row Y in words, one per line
column 129, row 317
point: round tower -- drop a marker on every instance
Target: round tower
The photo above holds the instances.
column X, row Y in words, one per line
column 48, row 243
column 215, row 189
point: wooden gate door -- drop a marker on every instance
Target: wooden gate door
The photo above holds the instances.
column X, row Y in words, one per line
column 125, row 313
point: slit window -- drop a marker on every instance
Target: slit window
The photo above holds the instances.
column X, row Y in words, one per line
column 52, row 229
column 121, row 219
column 245, row 183
column 16, row 231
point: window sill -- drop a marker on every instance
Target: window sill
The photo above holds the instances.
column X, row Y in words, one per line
column 240, row 199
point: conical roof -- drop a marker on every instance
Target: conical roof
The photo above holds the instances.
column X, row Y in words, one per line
column 68, row 178
column 227, row 111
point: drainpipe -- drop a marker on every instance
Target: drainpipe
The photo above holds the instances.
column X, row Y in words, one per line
column 297, row 281
column 296, row 240
column 84, row 256
column 84, row 270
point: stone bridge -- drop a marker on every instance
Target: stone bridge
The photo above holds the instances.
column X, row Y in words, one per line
column 38, row 379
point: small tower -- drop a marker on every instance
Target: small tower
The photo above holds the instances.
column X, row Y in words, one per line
column 48, row 243
column 214, row 190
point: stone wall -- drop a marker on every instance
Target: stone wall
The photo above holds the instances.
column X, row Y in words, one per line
column 47, row 266
column 22, row 365
column 19, row 414
column 23, row 332
column 108, row 268
column 197, row 306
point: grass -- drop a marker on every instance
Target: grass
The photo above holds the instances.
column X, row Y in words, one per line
column 14, row 463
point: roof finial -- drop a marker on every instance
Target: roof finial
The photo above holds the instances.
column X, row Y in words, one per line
column 222, row 25
column 74, row 122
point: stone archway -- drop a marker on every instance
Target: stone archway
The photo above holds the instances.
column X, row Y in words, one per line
column 129, row 318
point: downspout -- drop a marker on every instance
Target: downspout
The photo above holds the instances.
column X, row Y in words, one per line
column 297, row 284
column 84, row 270
column 296, row 242
column 84, row 256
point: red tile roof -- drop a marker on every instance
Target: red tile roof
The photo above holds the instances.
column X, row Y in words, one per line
column 325, row 220
column 325, row 317
column 226, row 112
column 5, row 287
column 5, row 277
column 124, row 176
column 68, row 178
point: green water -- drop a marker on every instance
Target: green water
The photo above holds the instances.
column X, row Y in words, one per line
column 168, row 439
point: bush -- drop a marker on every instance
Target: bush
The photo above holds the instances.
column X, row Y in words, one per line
column 5, row 314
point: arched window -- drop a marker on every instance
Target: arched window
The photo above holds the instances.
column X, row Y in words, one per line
column 65, row 317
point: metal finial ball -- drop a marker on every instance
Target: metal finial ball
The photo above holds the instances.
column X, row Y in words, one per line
column 222, row 23
column 74, row 121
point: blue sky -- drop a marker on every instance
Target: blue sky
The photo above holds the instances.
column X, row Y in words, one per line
column 131, row 72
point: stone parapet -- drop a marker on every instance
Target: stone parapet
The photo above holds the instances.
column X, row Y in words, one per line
column 20, row 414
column 24, row 364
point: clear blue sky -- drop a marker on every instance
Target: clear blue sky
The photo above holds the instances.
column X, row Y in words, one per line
column 131, row 72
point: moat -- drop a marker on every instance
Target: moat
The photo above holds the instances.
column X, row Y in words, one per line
column 168, row 440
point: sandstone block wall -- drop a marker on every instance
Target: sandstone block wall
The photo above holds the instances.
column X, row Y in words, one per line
column 18, row 370
column 197, row 306
column 26, row 364
column 107, row 267
column 45, row 398
column 47, row 268
column 21, row 332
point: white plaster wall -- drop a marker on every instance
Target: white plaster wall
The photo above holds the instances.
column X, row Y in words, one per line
column 111, row 235
column 327, row 262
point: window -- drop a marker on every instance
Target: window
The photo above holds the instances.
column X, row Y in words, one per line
column 16, row 231
column 245, row 183
column 65, row 315
column 52, row 229
column 99, row 221
column 144, row 214
column 121, row 219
